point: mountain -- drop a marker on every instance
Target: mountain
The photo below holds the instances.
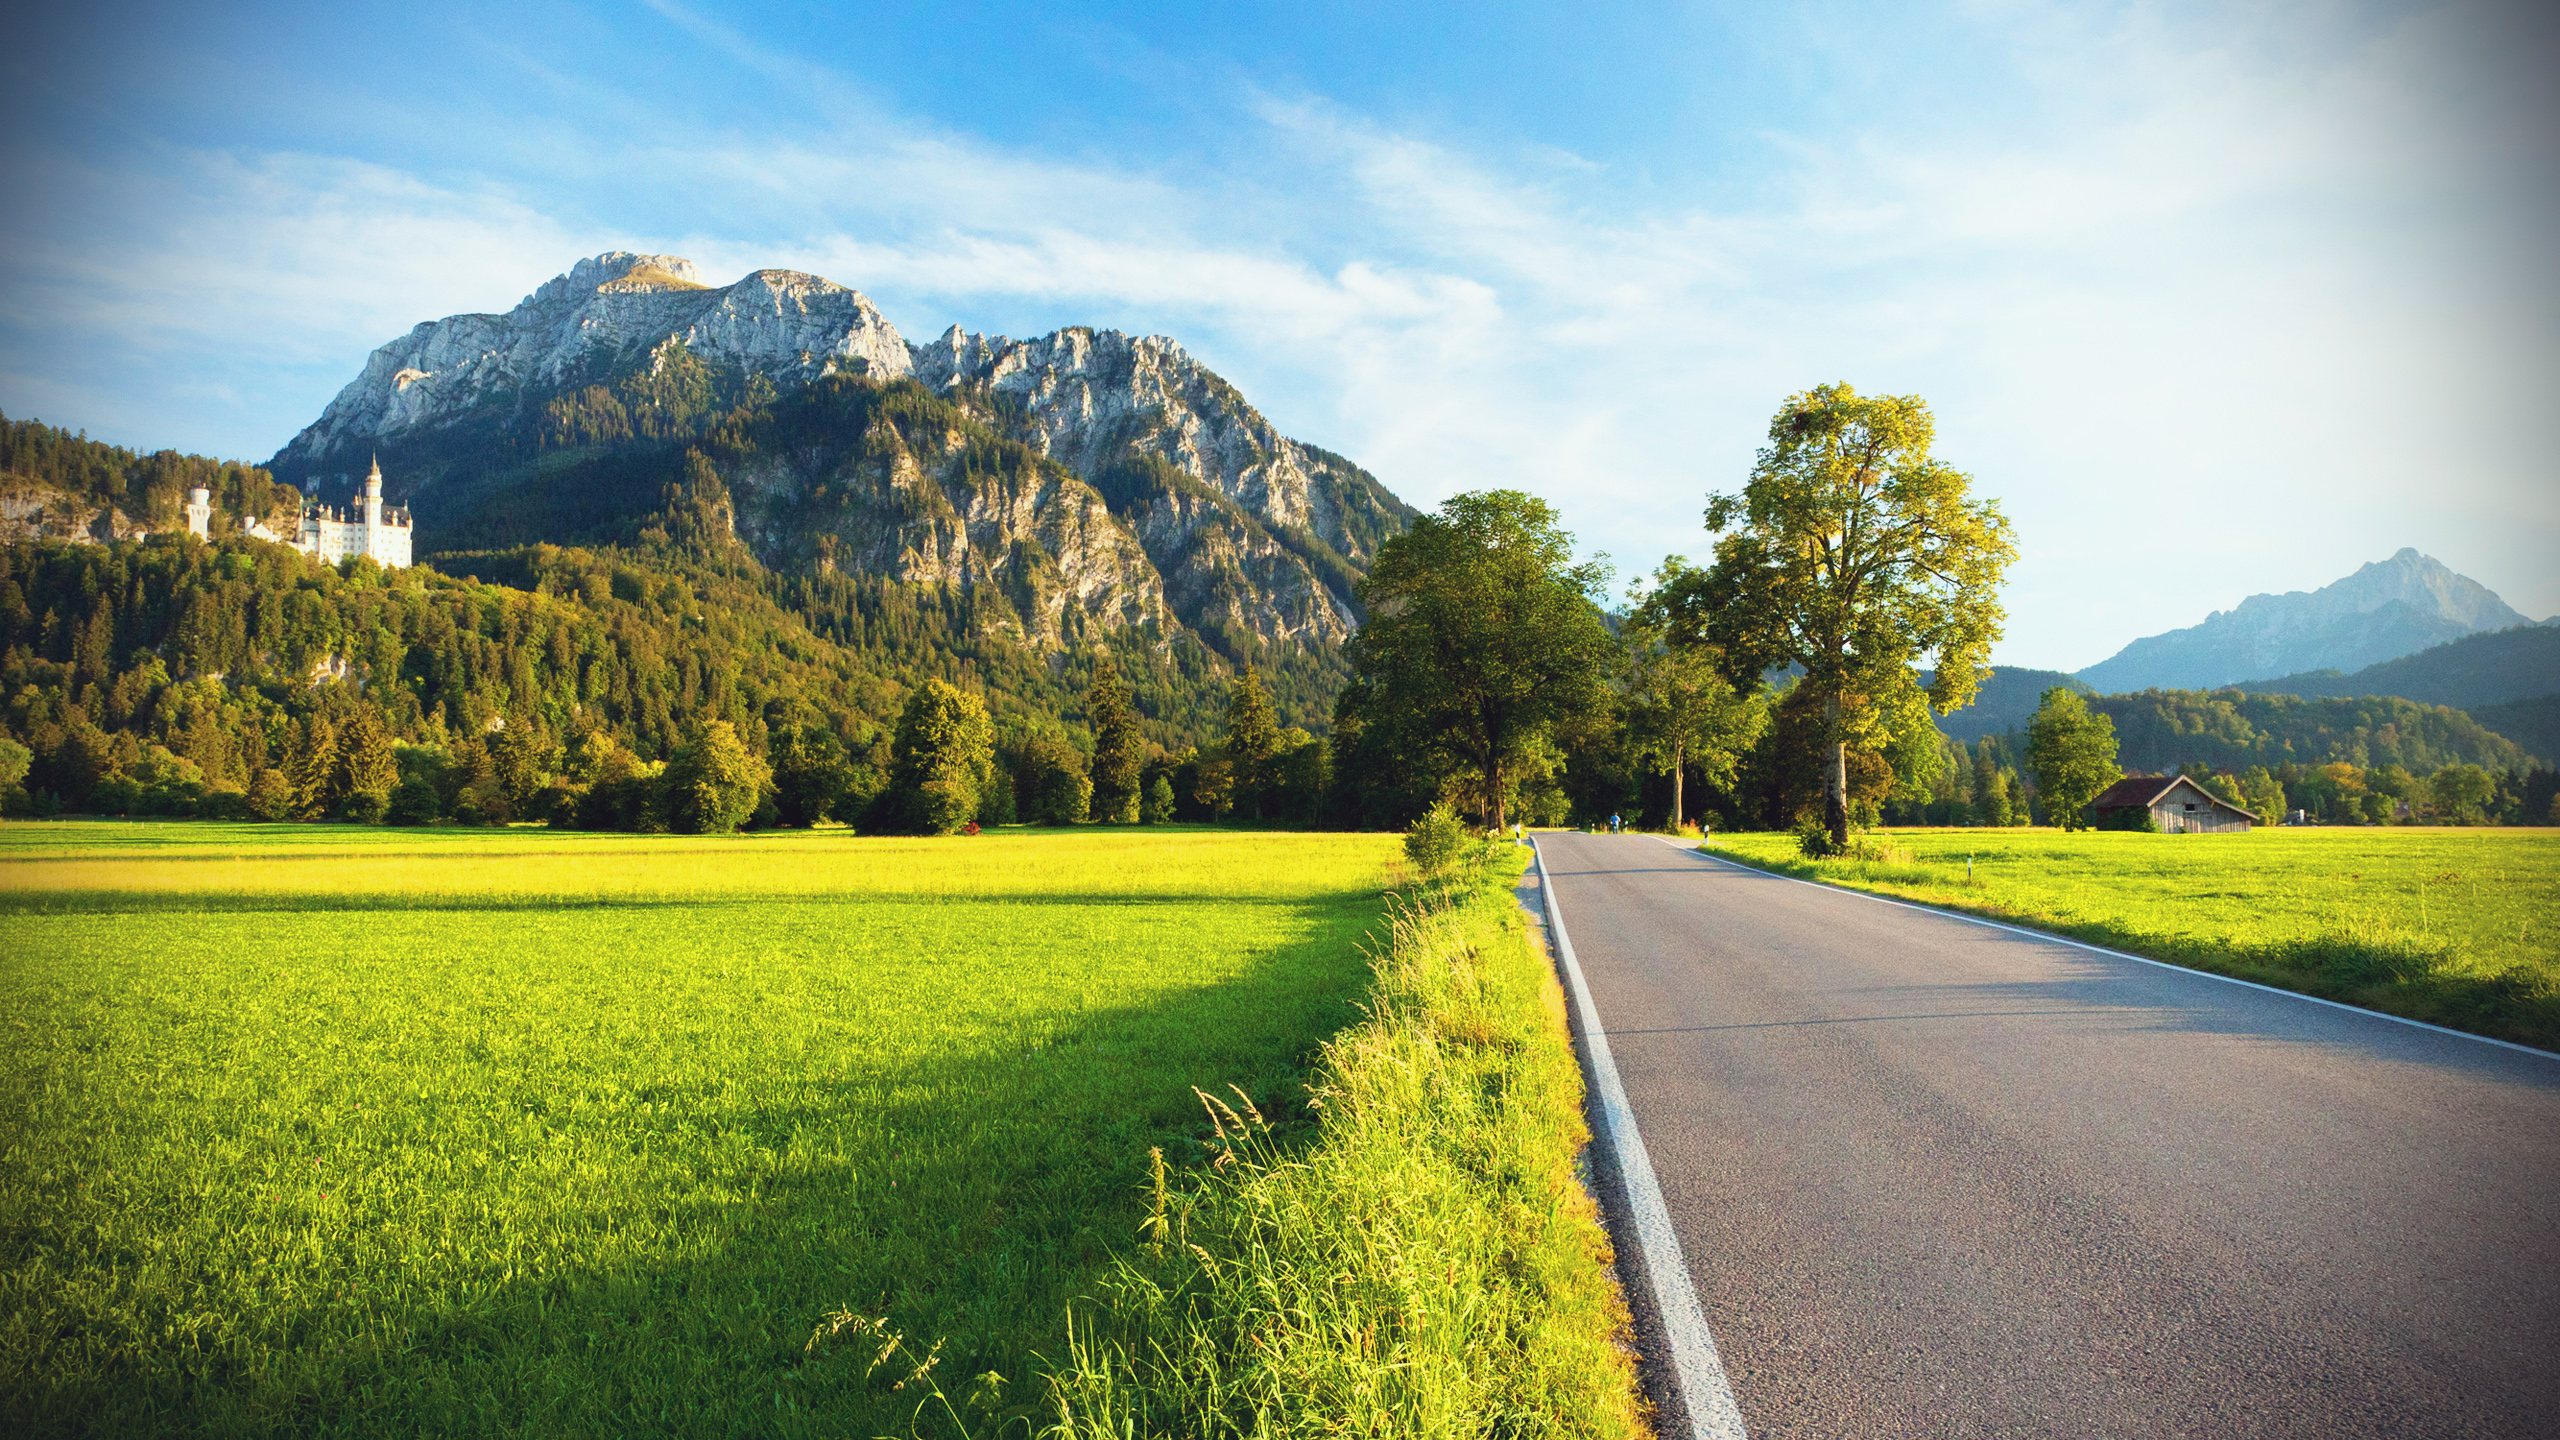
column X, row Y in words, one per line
column 2385, row 610
column 2492, row 668
column 1079, row 486
column 2005, row 702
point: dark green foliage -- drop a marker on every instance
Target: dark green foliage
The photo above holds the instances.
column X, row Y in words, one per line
column 1159, row 803
column 1251, row 742
column 1484, row 637
column 1062, row 795
column 1118, row 753
column 2533, row 724
column 415, row 802
column 2231, row 729
column 812, row 775
column 2497, row 667
column 149, row 489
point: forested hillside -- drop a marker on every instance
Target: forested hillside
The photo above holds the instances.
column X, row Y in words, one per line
column 2230, row 729
column 2497, row 667
column 197, row 668
column 80, row 479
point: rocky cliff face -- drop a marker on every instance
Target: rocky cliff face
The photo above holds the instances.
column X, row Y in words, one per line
column 1146, row 490
column 2385, row 610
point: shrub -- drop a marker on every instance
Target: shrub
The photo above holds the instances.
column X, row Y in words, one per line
column 1064, row 795
column 367, row 807
column 1814, row 842
column 115, row 795
column 1434, row 842
column 1159, row 803
column 224, row 804
column 415, row 802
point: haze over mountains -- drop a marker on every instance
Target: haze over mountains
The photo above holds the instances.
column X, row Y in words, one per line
column 1080, row 483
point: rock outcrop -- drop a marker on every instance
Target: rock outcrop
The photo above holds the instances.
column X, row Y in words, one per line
column 1167, row 497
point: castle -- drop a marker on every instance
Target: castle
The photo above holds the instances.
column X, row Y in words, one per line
column 373, row 528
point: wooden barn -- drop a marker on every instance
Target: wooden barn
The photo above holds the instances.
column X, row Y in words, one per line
column 2178, row 806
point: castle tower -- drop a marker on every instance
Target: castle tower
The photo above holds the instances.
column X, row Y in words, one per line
column 200, row 513
column 373, row 497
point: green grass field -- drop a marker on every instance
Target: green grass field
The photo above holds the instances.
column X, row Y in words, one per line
column 2456, row 927
column 333, row 1130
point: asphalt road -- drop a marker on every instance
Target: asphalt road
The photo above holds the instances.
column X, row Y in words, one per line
column 1937, row 1179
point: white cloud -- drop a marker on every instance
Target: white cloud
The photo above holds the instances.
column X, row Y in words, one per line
column 2246, row 299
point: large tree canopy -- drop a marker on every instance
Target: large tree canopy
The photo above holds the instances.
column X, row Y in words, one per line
column 1483, row 635
column 1855, row 555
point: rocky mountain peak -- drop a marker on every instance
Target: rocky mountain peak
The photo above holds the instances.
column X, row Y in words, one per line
column 2386, row 609
column 1244, row 531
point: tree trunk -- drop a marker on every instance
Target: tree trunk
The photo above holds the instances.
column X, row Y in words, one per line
column 1679, row 760
column 1493, row 777
column 1835, row 782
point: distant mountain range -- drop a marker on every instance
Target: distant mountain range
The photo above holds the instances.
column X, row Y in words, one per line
column 2385, row 610
column 2506, row 680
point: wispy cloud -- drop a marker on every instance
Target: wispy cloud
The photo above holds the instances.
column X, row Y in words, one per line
column 2247, row 293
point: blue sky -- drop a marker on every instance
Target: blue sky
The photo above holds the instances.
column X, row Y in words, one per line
column 2214, row 299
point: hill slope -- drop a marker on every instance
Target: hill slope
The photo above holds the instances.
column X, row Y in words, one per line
column 2492, row 668
column 2387, row 609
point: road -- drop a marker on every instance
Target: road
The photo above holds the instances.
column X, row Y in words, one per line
column 1932, row 1178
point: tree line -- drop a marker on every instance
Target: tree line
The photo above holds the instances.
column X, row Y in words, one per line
column 680, row 687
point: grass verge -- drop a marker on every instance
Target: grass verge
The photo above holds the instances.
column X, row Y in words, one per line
column 1427, row 1264
column 2450, row 927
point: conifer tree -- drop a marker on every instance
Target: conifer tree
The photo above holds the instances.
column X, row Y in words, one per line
column 1252, row 740
column 1117, row 748
column 367, row 765
column 312, row 767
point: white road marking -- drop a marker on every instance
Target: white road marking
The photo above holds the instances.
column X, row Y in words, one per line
column 1696, row 1370
column 2100, row 950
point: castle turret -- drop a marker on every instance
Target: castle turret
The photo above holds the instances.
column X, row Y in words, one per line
column 200, row 512
column 373, row 497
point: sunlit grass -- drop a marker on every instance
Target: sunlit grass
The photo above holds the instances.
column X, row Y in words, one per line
column 2454, row 926
column 332, row 1130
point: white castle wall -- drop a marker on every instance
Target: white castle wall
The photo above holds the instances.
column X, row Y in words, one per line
column 369, row 528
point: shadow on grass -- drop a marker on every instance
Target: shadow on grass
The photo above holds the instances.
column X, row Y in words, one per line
column 967, row 1213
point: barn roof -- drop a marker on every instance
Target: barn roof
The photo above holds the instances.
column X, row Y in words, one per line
column 2149, row 790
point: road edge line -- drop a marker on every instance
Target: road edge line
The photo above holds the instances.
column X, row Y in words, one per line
column 2034, row 934
column 1697, row 1371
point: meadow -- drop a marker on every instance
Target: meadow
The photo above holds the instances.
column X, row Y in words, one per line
column 2457, row 927
column 334, row 1130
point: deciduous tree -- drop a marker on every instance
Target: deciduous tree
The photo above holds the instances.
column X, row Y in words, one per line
column 713, row 781
column 1852, row 553
column 1483, row 635
column 943, row 750
column 2073, row 755
column 1681, row 710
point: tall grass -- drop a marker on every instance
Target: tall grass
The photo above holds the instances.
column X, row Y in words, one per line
column 1425, row 1264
